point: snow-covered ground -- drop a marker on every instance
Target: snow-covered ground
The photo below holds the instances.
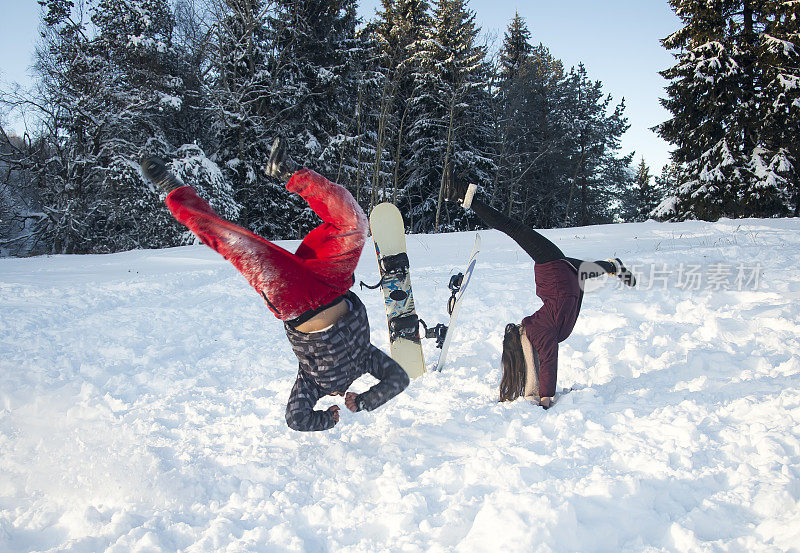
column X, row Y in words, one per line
column 142, row 402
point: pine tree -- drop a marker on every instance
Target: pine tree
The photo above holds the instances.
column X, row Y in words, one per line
column 115, row 87
column 596, row 175
column 516, row 49
column 731, row 164
column 66, row 68
column 648, row 197
column 542, row 130
column 241, row 87
column 145, row 99
column 316, row 71
column 510, row 98
column 666, row 187
column 779, row 59
column 316, row 65
column 360, row 162
column 532, row 131
column 294, row 69
column 399, row 32
column 448, row 113
column 556, row 143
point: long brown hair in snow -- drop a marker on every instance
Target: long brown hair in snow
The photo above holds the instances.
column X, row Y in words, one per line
column 512, row 385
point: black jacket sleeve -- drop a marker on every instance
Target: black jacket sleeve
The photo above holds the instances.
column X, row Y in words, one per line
column 300, row 413
column 392, row 380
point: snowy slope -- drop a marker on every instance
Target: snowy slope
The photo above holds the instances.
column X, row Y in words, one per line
column 142, row 398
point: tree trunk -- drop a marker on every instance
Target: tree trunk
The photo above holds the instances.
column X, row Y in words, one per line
column 386, row 96
column 578, row 171
column 396, row 178
column 446, row 160
column 584, row 202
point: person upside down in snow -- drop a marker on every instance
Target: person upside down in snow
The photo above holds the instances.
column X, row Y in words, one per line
column 308, row 290
column 530, row 349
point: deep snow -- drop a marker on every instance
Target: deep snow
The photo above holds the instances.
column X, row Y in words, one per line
column 142, row 397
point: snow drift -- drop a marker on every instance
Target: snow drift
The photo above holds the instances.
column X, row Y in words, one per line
column 142, row 398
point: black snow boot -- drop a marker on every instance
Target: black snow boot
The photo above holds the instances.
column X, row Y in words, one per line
column 453, row 191
column 156, row 172
column 280, row 165
column 458, row 192
column 622, row 272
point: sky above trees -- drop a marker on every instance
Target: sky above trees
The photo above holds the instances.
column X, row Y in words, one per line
column 617, row 40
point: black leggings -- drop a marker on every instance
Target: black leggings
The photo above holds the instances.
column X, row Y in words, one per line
column 534, row 244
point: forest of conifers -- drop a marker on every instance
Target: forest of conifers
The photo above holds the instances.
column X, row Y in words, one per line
column 382, row 107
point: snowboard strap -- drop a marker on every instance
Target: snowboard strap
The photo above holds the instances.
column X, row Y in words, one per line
column 363, row 285
column 405, row 326
column 439, row 332
column 395, row 264
column 454, row 286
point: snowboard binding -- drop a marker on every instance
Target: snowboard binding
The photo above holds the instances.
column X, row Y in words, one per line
column 439, row 332
column 393, row 267
column 404, row 326
column 455, row 286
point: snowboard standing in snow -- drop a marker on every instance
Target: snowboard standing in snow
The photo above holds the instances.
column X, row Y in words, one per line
column 388, row 233
column 458, row 284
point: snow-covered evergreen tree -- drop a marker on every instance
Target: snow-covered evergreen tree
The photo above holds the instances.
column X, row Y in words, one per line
column 556, row 140
column 597, row 176
column 779, row 114
column 114, row 85
column 541, row 131
column 448, row 113
column 193, row 167
column 704, row 97
column 399, row 33
column 647, row 194
column 316, row 64
column 666, row 186
column 357, row 166
column 723, row 89
column 516, row 49
column 241, row 88
column 142, row 92
column 509, row 121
